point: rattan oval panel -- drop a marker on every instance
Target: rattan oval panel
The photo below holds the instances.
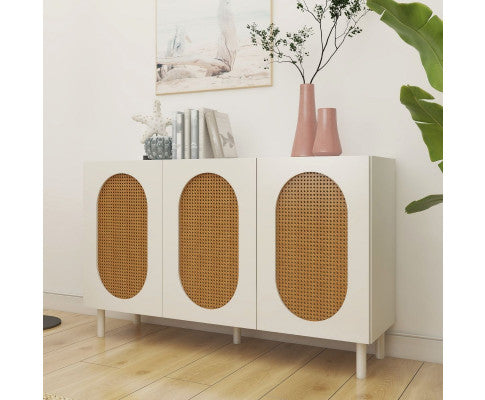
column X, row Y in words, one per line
column 311, row 246
column 209, row 241
column 122, row 236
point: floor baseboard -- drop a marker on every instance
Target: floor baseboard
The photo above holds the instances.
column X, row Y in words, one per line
column 398, row 345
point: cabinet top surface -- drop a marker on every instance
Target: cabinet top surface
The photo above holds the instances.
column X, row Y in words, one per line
column 289, row 159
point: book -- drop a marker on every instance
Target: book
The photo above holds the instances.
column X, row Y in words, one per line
column 187, row 134
column 194, row 133
column 178, row 136
column 205, row 149
column 213, row 134
column 226, row 138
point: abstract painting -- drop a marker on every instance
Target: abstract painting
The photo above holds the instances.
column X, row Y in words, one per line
column 205, row 45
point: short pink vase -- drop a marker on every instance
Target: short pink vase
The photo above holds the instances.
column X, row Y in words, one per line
column 307, row 123
column 327, row 142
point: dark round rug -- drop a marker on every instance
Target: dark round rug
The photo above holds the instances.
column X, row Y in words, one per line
column 51, row 322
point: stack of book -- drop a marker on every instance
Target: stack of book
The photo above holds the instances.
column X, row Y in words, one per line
column 202, row 133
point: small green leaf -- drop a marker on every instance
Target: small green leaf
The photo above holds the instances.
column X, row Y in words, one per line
column 422, row 110
column 433, row 138
column 424, row 204
column 428, row 116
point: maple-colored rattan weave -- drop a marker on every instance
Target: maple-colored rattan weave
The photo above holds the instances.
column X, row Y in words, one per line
column 311, row 246
column 209, row 240
column 122, row 236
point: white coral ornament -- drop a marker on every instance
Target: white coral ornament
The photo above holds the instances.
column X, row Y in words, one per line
column 156, row 124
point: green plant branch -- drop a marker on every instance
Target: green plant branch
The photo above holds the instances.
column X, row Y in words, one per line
column 293, row 63
column 290, row 61
column 307, row 9
column 338, row 47
column 346, row 33
column 294, row 43
column 324, row 47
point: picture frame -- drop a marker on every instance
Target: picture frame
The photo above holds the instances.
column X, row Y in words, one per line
column 205, row 45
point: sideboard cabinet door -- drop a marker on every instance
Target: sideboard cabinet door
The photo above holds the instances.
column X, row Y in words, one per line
column 123, row 224
column 209, row 243
column 313, row 247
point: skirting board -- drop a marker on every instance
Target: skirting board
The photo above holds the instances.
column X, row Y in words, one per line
column 398, row 345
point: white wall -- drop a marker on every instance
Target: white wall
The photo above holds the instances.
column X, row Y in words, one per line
column 99, row 57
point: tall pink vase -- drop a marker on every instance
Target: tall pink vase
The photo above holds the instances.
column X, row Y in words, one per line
column 327, row 142
column 307, row 123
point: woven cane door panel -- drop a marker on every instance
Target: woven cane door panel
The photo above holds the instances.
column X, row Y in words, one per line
column 122, row 236
column 209, row 241
column 311, row 246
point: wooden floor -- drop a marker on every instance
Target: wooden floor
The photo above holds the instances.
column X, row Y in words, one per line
column 152, row 362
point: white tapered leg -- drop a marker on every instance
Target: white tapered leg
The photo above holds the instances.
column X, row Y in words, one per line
column 236, row 335
column 381, row 347
column 137, row 319
column 100, row 325
column 361, row 360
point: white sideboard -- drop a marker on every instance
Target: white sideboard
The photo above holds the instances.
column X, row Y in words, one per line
column 302, row 246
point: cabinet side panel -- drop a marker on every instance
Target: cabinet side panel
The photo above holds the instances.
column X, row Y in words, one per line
column 90, row 193
column 383, row 245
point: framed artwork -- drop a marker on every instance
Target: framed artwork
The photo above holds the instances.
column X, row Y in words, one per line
column 205, row 45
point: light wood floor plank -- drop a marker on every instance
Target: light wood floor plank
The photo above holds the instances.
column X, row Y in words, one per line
column 85, row 381
column 386, row 380
column 79, row 333
column 427, row 384
column 167, row 389
column 139, row 349
column 60, row 381
column 263, row 374
column 115, row 383
column 317, row 380
column 68, row 321
column 81, row 350
column 221, row 363
column 172, row 355
column 171, row 344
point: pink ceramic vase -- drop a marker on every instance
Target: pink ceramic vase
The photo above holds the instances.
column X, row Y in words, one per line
column 307, row 123
column 327, row 142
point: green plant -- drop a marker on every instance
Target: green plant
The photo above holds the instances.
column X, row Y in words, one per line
column 343, row 17
column 418, row 27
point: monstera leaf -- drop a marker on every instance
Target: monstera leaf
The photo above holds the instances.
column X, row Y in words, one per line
column 429, row 118
column 424, row 204
column 418, row 27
